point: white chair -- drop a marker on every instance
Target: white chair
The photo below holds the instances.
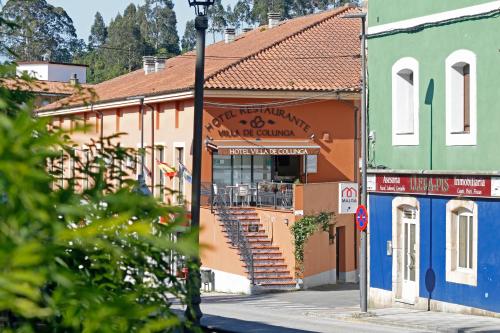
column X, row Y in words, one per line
column 243, row 192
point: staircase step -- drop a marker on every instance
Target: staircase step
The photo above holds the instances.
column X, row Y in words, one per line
column 258, row 238
column 269, row 269
column 278, row 282
column 257, row 248
column 278, row 277
column 269, row 261
column 259, row 275
column 277, row 286
column 267, row 265
column 267, row 255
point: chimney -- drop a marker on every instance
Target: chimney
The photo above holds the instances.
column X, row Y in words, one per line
column 274, row 19
column 229, row 35
column 160, row 63
column 74, row 80
column 247, row 29
column 149, row 64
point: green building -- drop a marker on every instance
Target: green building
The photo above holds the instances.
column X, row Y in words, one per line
column 434, row 153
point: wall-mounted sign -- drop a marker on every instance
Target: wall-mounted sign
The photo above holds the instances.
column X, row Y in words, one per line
column 348, row 198
column 257, row 122
column 311, row 164
column 267, row 151
column 467, row 186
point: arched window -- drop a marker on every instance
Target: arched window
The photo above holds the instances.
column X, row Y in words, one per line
column 461, row 98
column 461, row 242
column 405, row 102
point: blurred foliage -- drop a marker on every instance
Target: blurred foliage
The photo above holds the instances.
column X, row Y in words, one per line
column 80, row 249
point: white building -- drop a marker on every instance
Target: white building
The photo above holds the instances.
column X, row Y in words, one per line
column 53, row 71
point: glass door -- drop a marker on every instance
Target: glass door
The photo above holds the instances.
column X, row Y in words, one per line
column 409, row 262
column 242, row 166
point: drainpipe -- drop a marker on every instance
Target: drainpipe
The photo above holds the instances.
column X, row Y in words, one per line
column 101, row 134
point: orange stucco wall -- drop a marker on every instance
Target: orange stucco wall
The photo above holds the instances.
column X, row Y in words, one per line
column 332, row 122
column 216, row 253
column 171, row 123
column 277, row 225
column 319, row 254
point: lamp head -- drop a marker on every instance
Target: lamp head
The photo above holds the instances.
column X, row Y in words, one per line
column 201, row 6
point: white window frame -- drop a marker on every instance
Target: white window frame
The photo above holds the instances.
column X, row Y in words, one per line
column 174, row 164
column 405, row 139
column 454, row 138
column 159, row 175
column 453, row 272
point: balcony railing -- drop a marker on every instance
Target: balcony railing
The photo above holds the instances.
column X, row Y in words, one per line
column 262, row 194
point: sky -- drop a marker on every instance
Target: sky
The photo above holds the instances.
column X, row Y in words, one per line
column 82, row 12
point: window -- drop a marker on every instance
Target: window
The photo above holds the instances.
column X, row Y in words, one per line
column 464, row 229
column 461, row 242
column 405, row 102
column 160, row 188
column 461, row 98
column 181, row 170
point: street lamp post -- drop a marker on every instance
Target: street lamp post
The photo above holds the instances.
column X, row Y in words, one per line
column 363, row 283
column 142, row 187
column 193, row 283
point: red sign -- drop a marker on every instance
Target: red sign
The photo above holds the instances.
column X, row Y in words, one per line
column 361, row 218
column 467, row 186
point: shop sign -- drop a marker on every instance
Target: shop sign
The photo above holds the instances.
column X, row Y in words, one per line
column 348, row 198
column 267, row 151
column 467, row 186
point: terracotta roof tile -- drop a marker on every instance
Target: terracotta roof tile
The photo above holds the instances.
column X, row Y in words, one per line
column 321, row 58
column 313, row 52
column 42, row 87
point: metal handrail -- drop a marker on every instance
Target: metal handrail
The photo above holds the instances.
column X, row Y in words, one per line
column 236, row 235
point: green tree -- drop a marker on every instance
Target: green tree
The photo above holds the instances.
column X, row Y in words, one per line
column 126, row 45
column 98, row 32
column 79, row 258
column 188, row 42
column 243, row 12
column 216, row 18
column 231, row 18
column 159, row 26
column 43, row 31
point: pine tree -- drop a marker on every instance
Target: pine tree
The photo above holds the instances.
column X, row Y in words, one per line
column 216, row 18
column 44, row 32
column 158, row 23
column 98, row 32
column 188, row 42
column 231, row 18
column 125, row 39
column 243, row 12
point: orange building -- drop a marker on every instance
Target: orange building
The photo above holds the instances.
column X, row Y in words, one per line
column 280, row 126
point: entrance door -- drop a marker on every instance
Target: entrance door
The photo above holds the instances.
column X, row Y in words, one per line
column 410, row 261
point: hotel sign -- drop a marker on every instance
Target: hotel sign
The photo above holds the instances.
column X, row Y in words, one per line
column 445, row 185
column 267, row 151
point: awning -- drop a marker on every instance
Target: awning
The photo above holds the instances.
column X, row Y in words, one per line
column 264, row 147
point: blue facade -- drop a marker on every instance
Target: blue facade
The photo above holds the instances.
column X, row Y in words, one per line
column 432, row 261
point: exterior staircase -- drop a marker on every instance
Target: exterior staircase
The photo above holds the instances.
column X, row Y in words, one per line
column 263, row 262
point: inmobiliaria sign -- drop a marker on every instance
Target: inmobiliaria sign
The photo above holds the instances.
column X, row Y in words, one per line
column 467, row 186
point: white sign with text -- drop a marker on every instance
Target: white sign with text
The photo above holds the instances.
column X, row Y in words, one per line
column 348, row 198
